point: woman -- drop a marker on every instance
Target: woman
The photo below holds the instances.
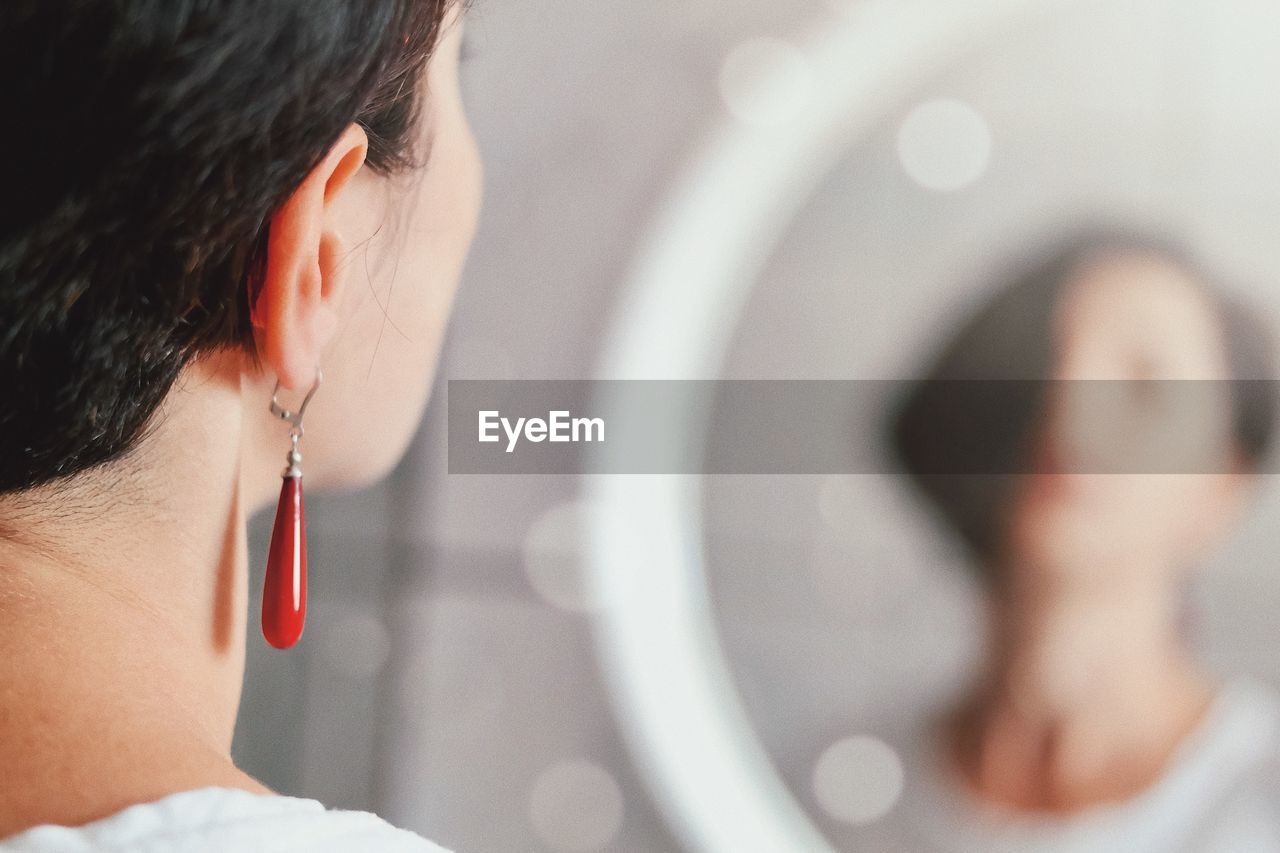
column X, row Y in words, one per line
column 207, row 203
column 1084, row 503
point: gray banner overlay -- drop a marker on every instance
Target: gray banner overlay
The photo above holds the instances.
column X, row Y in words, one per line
column 925, row 428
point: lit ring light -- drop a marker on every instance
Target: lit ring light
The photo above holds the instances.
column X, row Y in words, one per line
column 670, row 683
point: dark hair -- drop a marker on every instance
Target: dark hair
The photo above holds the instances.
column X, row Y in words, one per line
column 149, row 143
column 938, row 431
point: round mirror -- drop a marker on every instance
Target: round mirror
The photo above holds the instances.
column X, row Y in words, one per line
column 776, row 644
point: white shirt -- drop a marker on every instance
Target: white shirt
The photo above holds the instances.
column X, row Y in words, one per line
column 218, row 820
column 1219, row 795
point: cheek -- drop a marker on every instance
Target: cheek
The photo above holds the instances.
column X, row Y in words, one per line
column 429, row 265
column 447, row 199
column 436, row 228
column 401, row 288
column 400, row 294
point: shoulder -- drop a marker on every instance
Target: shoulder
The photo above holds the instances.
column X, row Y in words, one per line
column 218, row 819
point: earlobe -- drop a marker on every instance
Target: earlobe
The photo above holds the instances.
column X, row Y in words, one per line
column 297, row 308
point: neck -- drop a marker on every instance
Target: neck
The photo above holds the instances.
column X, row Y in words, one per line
column 122, row 621
column 1089, row 693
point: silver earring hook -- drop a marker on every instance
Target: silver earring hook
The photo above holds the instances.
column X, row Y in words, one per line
column 294, row 418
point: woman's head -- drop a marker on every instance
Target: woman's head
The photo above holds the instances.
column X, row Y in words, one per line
column 1083, row 461
column 188, row 180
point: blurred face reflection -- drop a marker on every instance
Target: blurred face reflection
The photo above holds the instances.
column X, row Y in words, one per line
column 1128, row 319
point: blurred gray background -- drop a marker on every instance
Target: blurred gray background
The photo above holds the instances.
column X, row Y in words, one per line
column 448, row 680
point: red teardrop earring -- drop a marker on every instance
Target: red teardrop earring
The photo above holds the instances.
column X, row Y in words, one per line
column 284, row 592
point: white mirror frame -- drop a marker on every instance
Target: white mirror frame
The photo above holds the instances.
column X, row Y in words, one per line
column 671, row 686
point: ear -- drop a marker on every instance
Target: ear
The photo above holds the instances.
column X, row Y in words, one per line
column 297, row 308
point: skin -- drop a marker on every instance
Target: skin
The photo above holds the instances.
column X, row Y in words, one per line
column 1090, row 688
column 123, row 594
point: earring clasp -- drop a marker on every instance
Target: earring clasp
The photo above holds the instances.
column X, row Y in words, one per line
column 294, row 418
